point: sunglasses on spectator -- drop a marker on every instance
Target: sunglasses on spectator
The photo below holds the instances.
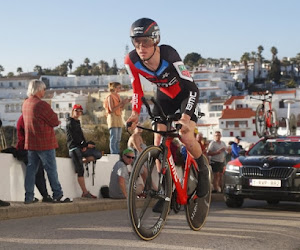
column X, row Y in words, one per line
column 130, row 157
column 78, row 110
column 146, row 42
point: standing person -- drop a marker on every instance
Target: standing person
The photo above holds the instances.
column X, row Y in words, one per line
column 235, row 148
column 176, row 89
column 22, row 155
column 79, row 148
column 119, row 178
column 216, row 150
column 199, row 138
column 114, row 105
column 40, row 141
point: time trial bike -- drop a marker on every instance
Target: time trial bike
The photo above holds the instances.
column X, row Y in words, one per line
column 266, row 122
column 156, row 167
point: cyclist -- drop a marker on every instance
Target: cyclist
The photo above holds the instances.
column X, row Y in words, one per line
column 176, row 89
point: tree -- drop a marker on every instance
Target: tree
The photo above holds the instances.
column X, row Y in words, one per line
column 19, row 70
column 275, row 71
column 38, row 69
column 245, row 59
column 10, row 74
column 192, row 59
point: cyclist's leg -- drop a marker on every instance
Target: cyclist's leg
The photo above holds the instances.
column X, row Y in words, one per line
column 193, row 146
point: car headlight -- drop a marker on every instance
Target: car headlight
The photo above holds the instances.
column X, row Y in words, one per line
column 232, row 168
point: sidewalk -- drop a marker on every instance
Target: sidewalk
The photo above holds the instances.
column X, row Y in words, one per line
column 79, row 205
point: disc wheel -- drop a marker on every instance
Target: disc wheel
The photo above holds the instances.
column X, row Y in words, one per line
column 197, row 208
column 260, row 122
column 149, row 194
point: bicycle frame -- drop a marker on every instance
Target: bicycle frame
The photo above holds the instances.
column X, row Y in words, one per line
column 181, row 189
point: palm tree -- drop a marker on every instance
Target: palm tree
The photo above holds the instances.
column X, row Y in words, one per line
column 87, row 61
column 260, row 49
column 1, row 69
column 19, row 70
column 253, row 60
column 70, row 64
column 274, row 52
column 245, row 59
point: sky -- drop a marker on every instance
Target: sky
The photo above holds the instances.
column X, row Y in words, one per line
column 47, row 33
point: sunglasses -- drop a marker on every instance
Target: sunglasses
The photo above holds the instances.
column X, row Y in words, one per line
column 130, row 157
column 146, row 42
column 78, row 110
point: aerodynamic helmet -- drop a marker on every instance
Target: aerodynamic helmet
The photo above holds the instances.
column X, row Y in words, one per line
column 145, row 27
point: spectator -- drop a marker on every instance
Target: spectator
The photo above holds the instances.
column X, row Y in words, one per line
column 4, row 203
column 216, row 149
column 40, row 141
column 22, row 155
column 136, row 141
column 235, row 148
column 79, row 148
column 114, row 105
column 119, row 178
column 199, row 138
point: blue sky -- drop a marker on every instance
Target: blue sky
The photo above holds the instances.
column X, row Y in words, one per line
column 46, row 33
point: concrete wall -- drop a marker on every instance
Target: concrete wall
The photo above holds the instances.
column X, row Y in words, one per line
column 13, row 175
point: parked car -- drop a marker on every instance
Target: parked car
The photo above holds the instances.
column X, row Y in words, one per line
column 269, row 171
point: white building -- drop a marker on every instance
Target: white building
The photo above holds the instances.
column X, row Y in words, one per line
column 10, row 111
column 213, row 82
column 62, row 104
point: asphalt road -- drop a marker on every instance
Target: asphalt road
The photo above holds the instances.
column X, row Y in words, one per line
column 254, row 226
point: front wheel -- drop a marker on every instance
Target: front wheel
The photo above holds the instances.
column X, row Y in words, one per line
column 149, row 194
column 197, row 208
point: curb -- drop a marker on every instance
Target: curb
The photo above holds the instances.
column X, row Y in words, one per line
column 19, row 210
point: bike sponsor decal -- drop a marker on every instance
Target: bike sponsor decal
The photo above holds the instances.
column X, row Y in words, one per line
column 135, row 99
column 157, row 227
column 194, row 211
column 167, row 84
column 191, row 101
column 182, row 71
column 173, row 169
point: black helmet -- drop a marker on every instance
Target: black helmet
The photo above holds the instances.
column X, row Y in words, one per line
column 145, row 27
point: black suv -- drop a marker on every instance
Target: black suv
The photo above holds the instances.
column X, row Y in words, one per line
column 269, row 171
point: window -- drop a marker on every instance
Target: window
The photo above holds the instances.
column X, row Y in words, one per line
column 70, row 105
column 253, row 121
column 6, row 108
column 67, row 115
column 243, row 124
column 61, row 115
column 243, row 133
column 212, row 115
column 20, row 84
column 281, row 104
column 254, row 133
column 10, row 84
column 229, row 124
column 231, row 133
column 57, row 105
column 239, row 106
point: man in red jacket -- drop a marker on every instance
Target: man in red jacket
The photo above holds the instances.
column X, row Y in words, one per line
column 40, row 141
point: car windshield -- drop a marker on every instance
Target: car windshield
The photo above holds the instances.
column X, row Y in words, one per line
column 276, row 147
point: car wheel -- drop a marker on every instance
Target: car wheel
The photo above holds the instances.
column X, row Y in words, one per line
column 272, row 202
column 232, row 201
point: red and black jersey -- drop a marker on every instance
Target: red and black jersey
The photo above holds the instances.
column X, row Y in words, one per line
column 172, row 79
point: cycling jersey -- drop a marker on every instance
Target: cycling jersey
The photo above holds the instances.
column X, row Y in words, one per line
column 174, row 82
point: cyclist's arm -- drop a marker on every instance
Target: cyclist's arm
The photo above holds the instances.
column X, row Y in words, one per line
column 136, row 85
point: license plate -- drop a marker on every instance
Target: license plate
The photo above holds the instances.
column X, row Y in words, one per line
column 264, row 183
